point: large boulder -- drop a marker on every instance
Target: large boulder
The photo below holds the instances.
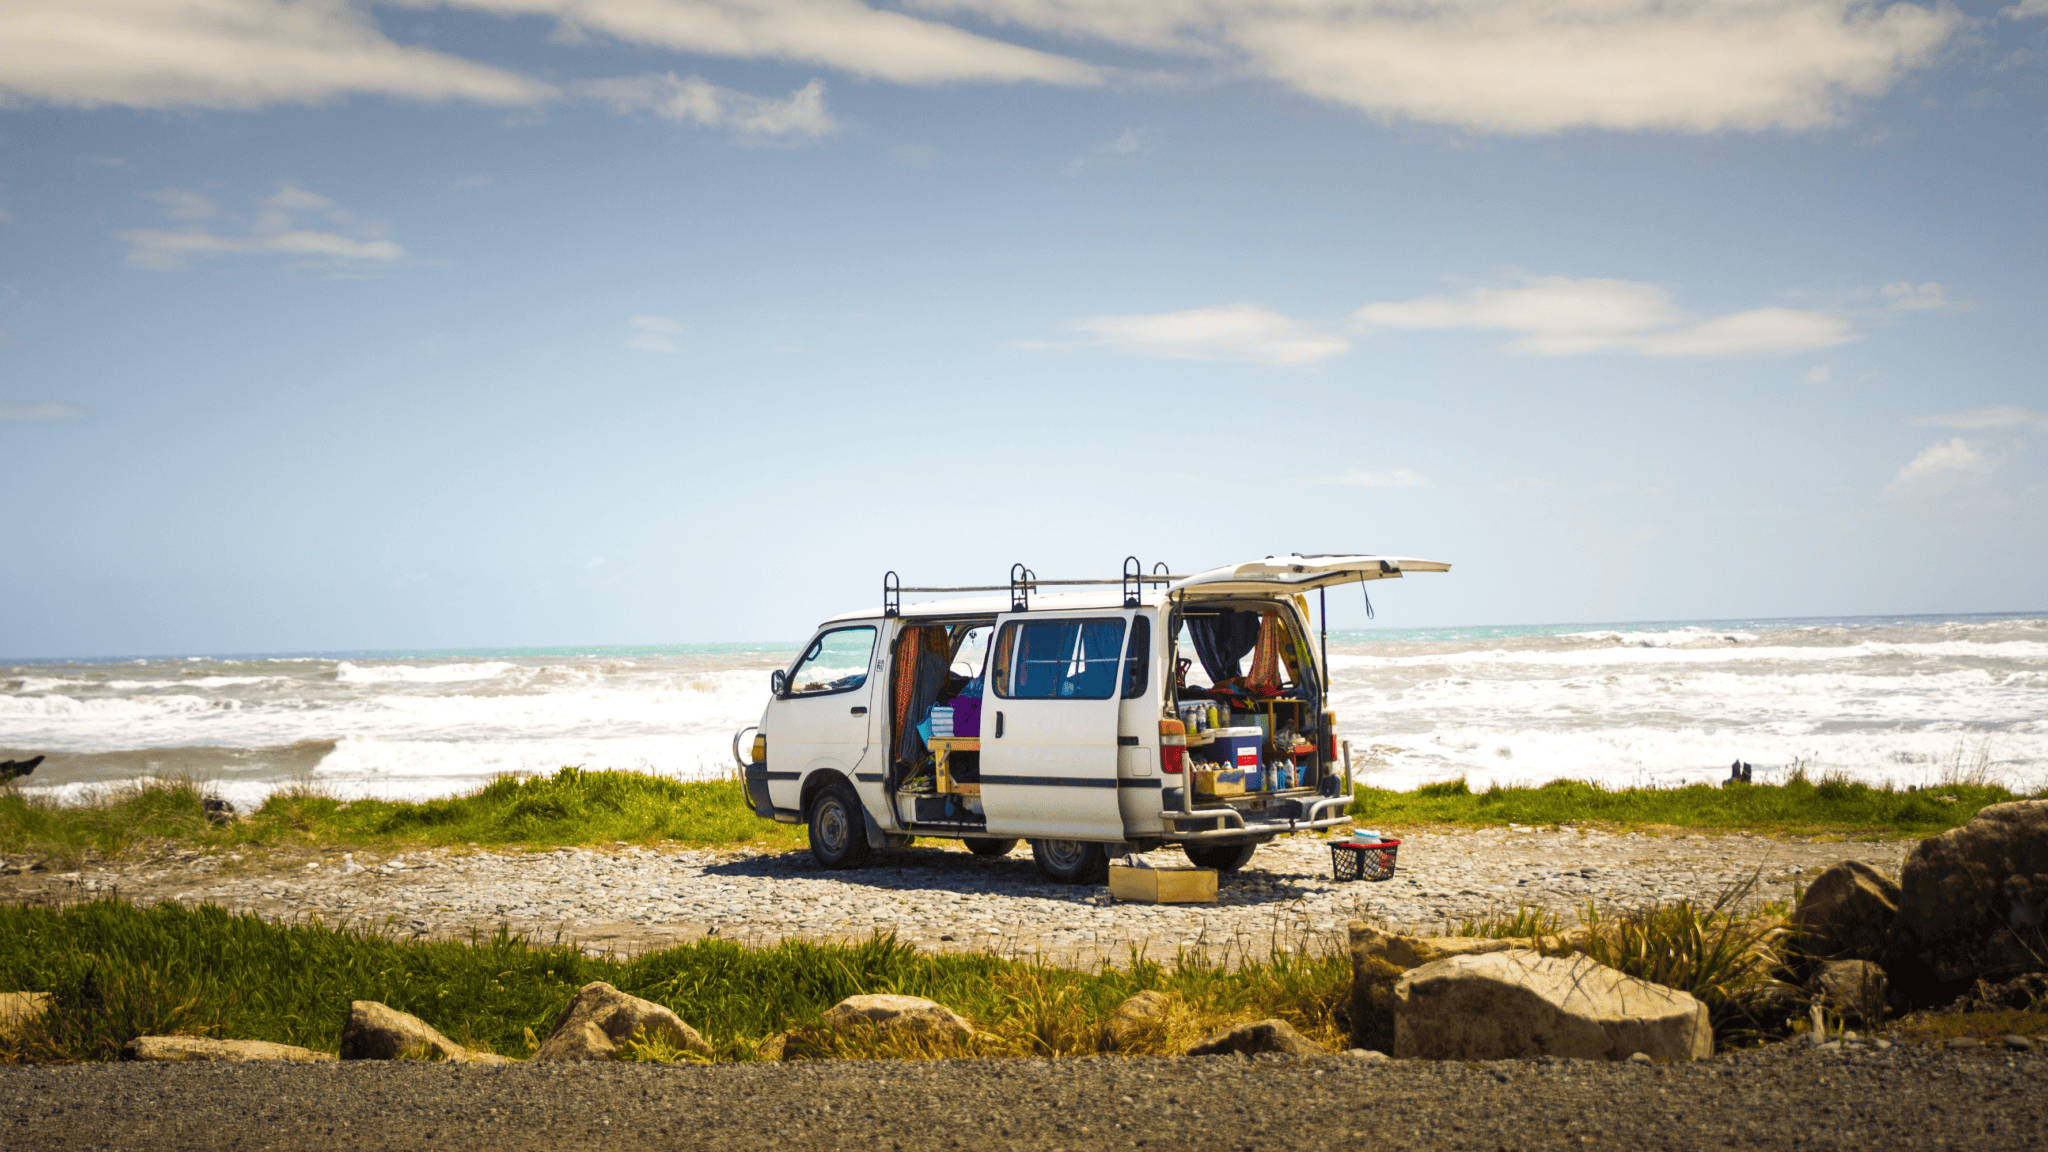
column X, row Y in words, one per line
column 1257, row 1037
column 1854, row 988
column 1505, row 1005
column 891, row 1013
column 601, row 1019
column 1847, row 914
column 229, row 1051
column 378, row 1032
column 1379, row 958
column 1973, row 903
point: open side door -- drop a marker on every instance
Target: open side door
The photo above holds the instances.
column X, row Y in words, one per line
column 1049, row 725
column 1301, row 573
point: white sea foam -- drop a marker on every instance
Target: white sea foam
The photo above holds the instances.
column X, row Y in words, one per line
column 350, row 673
column 2017, row 650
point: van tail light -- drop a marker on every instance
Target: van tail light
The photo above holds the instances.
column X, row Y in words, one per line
column 1173, row 746
column 1329, row 737
column 761, row 748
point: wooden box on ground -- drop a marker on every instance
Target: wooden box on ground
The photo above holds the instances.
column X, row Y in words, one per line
column 1163, row 885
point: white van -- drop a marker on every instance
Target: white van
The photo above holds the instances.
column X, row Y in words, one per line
column 1073, row 720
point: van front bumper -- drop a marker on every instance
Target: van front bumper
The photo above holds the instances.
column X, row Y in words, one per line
column 1229, row 824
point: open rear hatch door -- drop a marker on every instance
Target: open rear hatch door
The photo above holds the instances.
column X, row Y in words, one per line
column 1300, row 573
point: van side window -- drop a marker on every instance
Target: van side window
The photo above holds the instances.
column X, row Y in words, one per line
column 837, row 661
column 1058, row 659
column 1138, row 662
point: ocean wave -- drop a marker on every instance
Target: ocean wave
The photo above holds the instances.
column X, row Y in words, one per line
column 1672, row 638
column 2014, row 650
column 349, row 673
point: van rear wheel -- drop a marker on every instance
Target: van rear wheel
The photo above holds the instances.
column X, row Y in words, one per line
column 984, row 846
column 1221, row 857
column 1072, row 861
column 839, row 828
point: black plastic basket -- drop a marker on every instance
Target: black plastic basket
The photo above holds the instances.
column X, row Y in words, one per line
column 1363, row 859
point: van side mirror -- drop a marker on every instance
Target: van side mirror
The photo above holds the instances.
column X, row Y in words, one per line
column 778, row 683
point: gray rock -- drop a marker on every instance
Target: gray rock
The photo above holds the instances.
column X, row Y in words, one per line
column 379, row 1032
column 1973, row 903
column 1848, row 912
column 1258, row 1037
column 1854, row 988
column 2019, row 1043
column 1508, row 1005
column 230, row 1051
column 601, row 1019
column 898, row 1013
column 1144, row 1010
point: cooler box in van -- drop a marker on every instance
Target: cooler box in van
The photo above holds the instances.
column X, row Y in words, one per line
column 1238, row 748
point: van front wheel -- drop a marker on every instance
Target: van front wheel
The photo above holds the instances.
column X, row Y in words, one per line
column 1072, row 861
column 839, row 829
column 1221, row 857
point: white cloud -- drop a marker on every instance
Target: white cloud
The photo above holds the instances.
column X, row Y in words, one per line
column 277, row 230
column 1531, row 66
column 652, row 334
column 24, row 410
column 225, row 54
column 843, row 34
column 1994, row 417
column 1561, row 316
column 1120, row 149
column 1244, row 332
column 1942, row 468
column 2026, row 8
column 1398, row 478
column 697, row 99
column 1909, row 297
column 1820, row 373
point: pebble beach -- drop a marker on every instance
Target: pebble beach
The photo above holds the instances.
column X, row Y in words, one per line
column 626, row 900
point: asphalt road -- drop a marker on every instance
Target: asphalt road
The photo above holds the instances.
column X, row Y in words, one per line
column 1787, row 1097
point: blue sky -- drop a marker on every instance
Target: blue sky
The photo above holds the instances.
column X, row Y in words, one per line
column 353, row 325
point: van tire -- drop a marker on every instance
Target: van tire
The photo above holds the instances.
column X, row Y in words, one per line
column 1221, row 857
column 1072, row 861
column 986, row 846
column 839, row 828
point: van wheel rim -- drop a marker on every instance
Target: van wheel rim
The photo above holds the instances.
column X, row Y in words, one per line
column 832, row 828
column 1065, row 854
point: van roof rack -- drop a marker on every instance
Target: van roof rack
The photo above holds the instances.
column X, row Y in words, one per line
column 1023, row 580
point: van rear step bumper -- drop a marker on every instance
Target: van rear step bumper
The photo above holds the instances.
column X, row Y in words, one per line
column 1227, row 823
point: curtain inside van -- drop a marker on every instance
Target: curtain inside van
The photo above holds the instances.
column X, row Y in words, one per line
column 920, row 664
column 1221, row 640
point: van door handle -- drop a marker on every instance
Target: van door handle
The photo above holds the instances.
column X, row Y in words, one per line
column 999, row 725
column 862, row 711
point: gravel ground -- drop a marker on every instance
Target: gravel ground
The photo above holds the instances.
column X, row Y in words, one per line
column 630, row 900
column 1789, row 1096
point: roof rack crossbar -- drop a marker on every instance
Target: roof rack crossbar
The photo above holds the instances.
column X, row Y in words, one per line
column 1034, row 582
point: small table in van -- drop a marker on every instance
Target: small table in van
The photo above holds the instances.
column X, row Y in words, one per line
column 942, row 749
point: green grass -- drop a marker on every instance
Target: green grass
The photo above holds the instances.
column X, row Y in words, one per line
column 570, row 807
column 1796, row 807
column 116, row 972
column 574, row 807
